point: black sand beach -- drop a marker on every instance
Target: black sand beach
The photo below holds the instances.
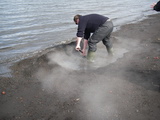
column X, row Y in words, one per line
column 59, row 84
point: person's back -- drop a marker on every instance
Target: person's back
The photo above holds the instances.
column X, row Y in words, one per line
column 90, row 23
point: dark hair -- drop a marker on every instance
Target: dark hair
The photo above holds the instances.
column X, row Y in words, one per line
column 76, row 17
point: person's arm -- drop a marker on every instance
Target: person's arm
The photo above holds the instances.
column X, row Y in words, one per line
column 84, row 47
column 80, row 34
column 78, row 47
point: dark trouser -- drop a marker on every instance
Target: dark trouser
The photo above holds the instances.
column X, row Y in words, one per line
column 102, row 34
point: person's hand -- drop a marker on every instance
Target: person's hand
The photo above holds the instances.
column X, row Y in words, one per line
column 152, row 6
column 78, row 48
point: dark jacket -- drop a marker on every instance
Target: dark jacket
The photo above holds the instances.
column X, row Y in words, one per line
column 157, row 6
column 89, row 24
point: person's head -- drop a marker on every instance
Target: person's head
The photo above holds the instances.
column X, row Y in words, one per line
column 76, row 19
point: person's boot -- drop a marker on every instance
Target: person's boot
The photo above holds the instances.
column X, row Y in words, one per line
column 91, row 56
column 110, row 51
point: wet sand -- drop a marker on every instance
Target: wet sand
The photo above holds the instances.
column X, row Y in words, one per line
column 59, row 84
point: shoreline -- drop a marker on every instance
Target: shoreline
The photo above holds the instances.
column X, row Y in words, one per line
column 57, row 84
column 9, row 62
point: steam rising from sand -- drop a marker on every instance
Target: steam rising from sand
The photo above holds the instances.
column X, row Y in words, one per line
column 70, row 60
column 97, row 102
column 71, row 75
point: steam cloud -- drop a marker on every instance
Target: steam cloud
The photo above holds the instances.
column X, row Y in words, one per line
column 71, row 75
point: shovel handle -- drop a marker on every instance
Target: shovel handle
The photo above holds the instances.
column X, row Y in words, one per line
column 81, row 51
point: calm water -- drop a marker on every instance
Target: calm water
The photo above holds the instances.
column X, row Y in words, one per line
column 29, row 26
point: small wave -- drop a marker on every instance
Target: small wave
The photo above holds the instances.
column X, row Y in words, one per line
column 5, row 49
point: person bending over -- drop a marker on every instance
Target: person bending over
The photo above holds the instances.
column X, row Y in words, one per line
column 100, row 27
